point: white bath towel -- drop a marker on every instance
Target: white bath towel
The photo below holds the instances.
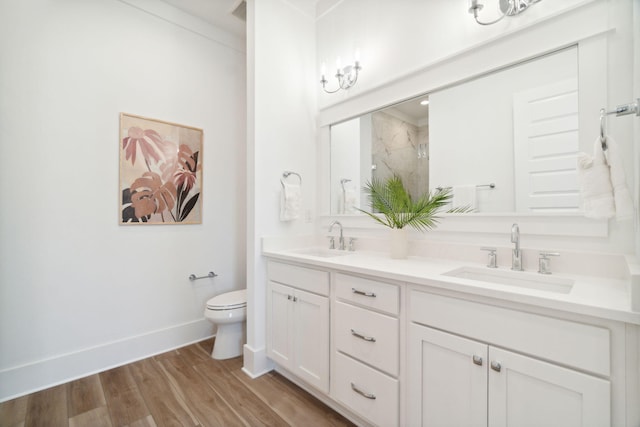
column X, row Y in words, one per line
column 595, row 184
column 464, row 196
column 290, row 202
column 621, row 195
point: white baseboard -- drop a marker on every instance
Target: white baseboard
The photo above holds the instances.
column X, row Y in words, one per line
column 256, row 362
column 25, row 379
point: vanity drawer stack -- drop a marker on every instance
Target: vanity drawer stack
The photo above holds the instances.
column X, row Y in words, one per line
column 366, row 358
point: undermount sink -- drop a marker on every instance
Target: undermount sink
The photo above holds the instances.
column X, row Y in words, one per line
column 514, row 278
column 321, row 252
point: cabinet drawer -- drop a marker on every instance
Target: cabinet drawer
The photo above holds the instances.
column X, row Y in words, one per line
column 570, row 343
column 367, row 392
column 368, row 336
column 315, row 281
column 368, row 293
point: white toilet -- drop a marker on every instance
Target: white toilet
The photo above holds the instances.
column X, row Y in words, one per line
column 229, row 312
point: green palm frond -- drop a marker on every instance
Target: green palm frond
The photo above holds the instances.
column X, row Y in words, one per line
column 391, row 199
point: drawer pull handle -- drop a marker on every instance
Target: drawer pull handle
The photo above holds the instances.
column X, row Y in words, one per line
column 362, row 393
column 364, row 337
column 477, row 360
column 366, row 294
column 496, row 366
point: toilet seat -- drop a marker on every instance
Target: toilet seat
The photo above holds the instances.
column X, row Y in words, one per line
column 228, row 301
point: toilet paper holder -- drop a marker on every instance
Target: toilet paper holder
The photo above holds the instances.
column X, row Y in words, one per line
column 193, row 277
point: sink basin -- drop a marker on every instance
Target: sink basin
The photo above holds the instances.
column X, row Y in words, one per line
column 321, row 252
column 514, row 278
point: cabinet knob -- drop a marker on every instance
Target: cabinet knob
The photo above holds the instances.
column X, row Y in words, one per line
column 289, row 297
column 496, row 366
column 477, row 360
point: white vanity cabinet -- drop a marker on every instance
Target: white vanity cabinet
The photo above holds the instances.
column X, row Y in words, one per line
column 298, row 322
column 385, row 349
column 476, row 365
column 366, row 360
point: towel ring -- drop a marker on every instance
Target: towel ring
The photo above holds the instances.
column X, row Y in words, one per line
column 286, row 174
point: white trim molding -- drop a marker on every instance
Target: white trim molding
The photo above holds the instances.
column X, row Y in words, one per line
column 182, row 19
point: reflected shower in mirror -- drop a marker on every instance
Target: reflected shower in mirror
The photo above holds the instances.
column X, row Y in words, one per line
column 516, row 128
column 389, row 142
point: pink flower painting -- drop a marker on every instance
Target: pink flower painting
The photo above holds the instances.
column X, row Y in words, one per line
column 160, row 172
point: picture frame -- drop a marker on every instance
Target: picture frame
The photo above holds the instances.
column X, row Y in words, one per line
column 160, row 172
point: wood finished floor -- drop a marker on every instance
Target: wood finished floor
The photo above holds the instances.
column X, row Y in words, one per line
column 184, row 387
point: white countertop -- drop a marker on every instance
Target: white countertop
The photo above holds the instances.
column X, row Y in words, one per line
column 601, row 297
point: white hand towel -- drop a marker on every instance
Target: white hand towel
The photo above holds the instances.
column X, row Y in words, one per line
column 350, row 200
column 621, row 195
column 595, row 184
column 290, row 202
column 464, row 196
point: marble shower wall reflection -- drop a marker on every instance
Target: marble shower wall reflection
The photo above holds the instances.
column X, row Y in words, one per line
column 400, row 148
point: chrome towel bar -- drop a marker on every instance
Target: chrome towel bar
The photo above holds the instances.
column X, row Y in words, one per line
column 491, row 185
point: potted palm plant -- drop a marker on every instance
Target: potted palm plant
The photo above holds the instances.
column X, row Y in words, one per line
column 399, row 211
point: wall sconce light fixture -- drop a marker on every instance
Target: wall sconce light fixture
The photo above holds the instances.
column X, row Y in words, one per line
column 507, row 7
column 347, row 76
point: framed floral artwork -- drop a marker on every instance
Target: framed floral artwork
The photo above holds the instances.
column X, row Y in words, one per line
column 160, row 172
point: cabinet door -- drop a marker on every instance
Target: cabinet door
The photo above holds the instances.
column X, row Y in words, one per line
column 529, row 392
column 311, row 339
column 447, row 379
column 279, row 324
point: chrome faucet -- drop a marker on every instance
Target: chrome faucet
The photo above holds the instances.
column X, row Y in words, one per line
column 516, row 254
column 341, row 240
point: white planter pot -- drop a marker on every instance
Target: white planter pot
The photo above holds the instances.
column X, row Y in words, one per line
column 399, row 243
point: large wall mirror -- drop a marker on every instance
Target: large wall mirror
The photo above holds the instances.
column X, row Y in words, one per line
column 505, row 142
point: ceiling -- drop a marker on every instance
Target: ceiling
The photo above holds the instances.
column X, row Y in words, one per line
column 412, row 110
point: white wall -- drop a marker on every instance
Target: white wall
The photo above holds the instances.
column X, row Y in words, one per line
column 78, row 292
column 397, row 38
column 281, row 116
column 409, row 48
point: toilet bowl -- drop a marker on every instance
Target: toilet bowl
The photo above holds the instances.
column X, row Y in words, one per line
column 228, row 312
